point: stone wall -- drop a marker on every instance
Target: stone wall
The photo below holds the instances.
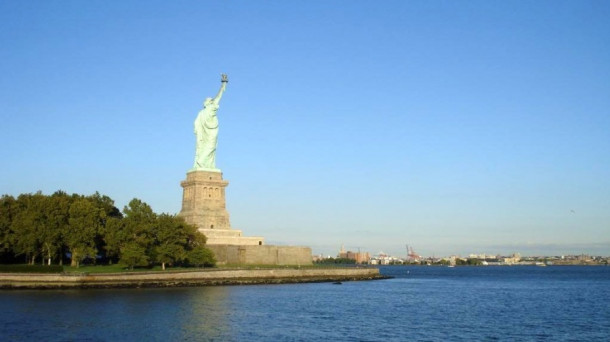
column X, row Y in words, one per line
column 195, row 278
column 261, row 255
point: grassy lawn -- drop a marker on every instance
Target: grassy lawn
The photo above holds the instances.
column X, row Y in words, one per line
column 116, row 268
column 254, row 267
column 95, row 269
column 121, row 268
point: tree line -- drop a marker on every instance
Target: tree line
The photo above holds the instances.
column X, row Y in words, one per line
column 61, row 227
column 337, row 260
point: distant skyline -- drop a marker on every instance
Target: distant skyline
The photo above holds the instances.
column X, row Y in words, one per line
column 453, row 127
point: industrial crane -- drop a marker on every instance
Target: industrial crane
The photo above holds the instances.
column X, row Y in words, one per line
column 411, row 254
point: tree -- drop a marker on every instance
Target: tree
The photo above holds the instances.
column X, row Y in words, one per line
column 106, row 204
column 201, row 256
column 197, row 253
column 336, row 261
column 171, row 240
column 114, row 238
column 57, row 214
column 111, row 213
column 474, row 262
column 177, row 241
column 84, row 222
column 7, row 212
column 136, row 235
column 133, row 254
column 35, row 224
column 27, row 225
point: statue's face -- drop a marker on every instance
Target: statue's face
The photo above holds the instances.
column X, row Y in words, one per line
column 207, row 102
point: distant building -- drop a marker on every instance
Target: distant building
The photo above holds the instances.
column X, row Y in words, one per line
column 515, row 258
column 360, row 257
column 482, row 256
column 317, row 258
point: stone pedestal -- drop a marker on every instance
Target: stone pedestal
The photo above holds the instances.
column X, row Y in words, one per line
column 203, row 200
column 203, row 205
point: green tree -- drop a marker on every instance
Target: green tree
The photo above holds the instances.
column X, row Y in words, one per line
column 57, row 214
column 176, row 241
column 114, row 238
column 84, row 223
column 171, row 240
column 111, row 213
column 474, row 262
column 8, row 211
column 34, row 224
column 201, row 256
column 133, row 254
column 197, row 253
column 336, row 261
column 136, row 235
column 106, row 204
column 27, row 224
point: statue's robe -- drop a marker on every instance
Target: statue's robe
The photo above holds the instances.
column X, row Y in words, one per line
column 206, row 130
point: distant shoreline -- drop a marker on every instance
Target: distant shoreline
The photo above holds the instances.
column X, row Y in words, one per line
column 182, row 279
column 493, row 265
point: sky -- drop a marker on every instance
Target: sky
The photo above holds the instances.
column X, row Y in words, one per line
column 454, row 127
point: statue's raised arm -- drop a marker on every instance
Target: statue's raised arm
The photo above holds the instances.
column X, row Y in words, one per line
column 224, row 79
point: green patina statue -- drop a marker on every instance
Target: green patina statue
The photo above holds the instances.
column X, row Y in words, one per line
column 206, row 131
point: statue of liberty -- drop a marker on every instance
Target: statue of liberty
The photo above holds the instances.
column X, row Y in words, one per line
column 206, row 131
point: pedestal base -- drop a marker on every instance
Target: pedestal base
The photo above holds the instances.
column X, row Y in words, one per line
column 230, row 237
column 203, row 205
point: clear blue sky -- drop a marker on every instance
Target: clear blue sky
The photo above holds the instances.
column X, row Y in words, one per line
column 452, row 126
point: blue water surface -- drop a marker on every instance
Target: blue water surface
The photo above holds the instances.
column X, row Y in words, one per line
column 522, row 303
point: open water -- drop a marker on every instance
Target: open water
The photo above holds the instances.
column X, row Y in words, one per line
column 522, row 303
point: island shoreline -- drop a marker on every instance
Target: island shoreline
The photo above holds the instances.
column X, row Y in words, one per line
column 185, row 279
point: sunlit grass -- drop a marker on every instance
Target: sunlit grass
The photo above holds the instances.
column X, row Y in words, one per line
column 118, row 268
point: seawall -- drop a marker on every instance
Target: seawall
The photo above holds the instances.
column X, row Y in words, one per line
column 261, row 255
column 185, row 278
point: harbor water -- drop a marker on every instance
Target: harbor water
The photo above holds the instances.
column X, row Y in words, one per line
column 500, row 303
